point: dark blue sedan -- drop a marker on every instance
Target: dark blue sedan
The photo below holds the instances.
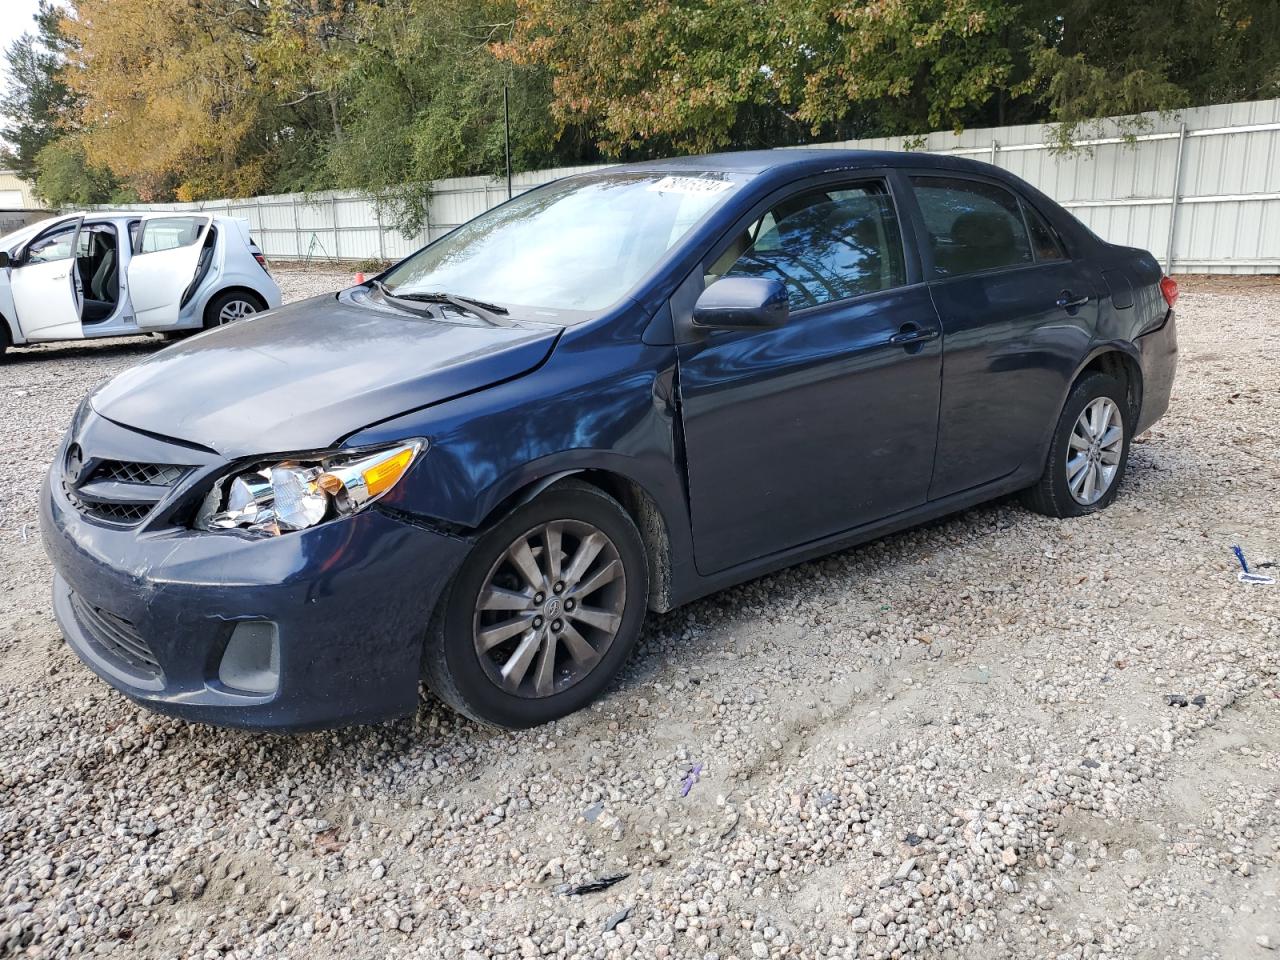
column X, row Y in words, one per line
column 616, row 393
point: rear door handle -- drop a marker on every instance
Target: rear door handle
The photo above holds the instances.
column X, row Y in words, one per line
column 911, row 333
column 1069, row 301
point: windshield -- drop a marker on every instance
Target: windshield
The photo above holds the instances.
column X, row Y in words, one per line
column 574, row 246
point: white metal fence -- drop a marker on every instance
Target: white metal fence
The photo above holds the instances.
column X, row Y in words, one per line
column 1201, row 190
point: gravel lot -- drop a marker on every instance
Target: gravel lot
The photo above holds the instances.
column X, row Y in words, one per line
column 953, row 742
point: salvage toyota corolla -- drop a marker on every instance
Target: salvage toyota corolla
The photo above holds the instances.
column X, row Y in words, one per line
column 615, row 393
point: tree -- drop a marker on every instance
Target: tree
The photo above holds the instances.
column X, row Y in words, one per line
column 424, row 100
column 66, row 179
column 692, row 75
column 203, row 98
column 914, row 65
column 37, row 100
column 1093, row 58
column 172, row 98
column 667, row 76
column 40, row 114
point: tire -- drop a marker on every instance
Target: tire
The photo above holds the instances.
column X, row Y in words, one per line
column 1063, row 490
column 470, row 681
column 6, row 339
column 228, row 299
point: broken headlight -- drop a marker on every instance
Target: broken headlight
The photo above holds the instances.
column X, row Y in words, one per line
column 274, row 498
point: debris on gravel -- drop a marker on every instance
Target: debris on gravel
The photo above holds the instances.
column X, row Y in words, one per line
column 996, row 736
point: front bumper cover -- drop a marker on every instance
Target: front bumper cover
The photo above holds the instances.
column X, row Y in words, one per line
column 351, row 600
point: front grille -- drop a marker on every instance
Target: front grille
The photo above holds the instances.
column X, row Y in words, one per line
column 116, row 635
column 150, row 474
column 119, row 492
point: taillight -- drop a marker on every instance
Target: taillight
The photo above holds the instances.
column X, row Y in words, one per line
column 1169, row 287
column 262, row 262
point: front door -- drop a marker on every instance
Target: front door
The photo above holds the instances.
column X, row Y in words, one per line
column 829, row 422
column 43, row 283
column 1016, row 314
column 166, row 255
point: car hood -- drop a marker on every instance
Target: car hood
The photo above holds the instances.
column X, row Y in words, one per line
column 302, row 377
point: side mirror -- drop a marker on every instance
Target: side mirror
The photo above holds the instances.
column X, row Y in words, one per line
column 742, row 303
column 4, row 259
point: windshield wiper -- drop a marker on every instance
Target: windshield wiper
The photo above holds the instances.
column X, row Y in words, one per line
column 485, row 311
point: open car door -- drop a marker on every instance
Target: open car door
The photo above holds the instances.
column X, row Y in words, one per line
column 42, row 281
column 166, row 256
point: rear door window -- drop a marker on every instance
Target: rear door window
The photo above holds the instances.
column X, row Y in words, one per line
column 824, row 245
column 168, row 233
column 973, row 226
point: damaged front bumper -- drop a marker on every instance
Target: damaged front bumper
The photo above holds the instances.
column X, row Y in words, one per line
column 322, row 627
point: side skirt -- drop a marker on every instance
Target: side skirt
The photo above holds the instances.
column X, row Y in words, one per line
column 695, row 587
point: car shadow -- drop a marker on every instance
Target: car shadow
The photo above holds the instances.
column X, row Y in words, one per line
column 80, row 350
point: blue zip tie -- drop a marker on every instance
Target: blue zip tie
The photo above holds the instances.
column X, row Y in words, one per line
column 1240, row 556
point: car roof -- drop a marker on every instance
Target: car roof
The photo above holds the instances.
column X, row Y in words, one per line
column 803, row 160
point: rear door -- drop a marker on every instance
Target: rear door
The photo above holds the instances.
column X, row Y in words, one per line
column 827, row 423
column 1016, row 315
column 166, row 256
column 44, row 284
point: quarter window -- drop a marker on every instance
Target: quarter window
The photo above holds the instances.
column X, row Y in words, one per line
column 1044, row 240
column 972, row 226
column 824, row 245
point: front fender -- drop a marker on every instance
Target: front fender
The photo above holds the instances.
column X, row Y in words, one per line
column 596, row 404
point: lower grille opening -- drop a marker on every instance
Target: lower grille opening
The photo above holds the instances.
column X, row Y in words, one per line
column 124, row 514
column 116, row 635
column 115, row 512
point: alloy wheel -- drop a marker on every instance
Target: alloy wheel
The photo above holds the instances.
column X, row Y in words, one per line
column 549, row 608
column 234, row 310
column 1094, row 451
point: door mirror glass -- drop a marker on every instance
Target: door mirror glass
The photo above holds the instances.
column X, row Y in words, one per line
column 4, row 259
column 742, row 303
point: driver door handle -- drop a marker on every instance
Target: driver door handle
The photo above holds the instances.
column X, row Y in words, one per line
column 911, row 333
column 1069, row 301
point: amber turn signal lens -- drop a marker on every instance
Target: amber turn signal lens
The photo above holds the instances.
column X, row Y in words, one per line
column 383, row 476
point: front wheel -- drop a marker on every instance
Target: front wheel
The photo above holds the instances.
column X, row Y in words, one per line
column 1090, row 450
column 543, row 612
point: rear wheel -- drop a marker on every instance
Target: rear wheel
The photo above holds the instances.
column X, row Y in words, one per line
column 543, row 612
column 1090, row 450
column 230, row 306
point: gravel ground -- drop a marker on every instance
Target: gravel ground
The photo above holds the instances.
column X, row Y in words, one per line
column 953, row 742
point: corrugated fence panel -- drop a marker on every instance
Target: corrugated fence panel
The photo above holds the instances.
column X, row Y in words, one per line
column 1225, row 206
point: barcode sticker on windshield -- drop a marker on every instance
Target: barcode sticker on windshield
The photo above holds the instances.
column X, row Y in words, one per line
column 696, row 185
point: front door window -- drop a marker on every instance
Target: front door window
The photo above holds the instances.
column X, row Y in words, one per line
column 53, row 246
column 825, row 245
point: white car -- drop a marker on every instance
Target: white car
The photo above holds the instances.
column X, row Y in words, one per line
column 103, row 274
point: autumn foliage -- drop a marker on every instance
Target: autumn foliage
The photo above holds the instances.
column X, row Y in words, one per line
column 190, row 99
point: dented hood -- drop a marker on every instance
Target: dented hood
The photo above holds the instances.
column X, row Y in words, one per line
column 304, row 376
